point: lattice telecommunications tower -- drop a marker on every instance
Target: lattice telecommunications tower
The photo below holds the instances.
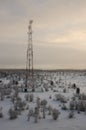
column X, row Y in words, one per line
column 29, row 60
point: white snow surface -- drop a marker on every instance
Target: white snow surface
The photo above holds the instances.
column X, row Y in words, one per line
column 62, row 123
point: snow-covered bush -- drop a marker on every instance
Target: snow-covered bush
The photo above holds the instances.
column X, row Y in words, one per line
column 7, row 89
column 31, row 97
column 82, row 96
column 12, row 113
column 19, row 105
column 38, row 102
column 44, row 113
column 27, row 97
column 77, row 90
column 61, row 98
column 64, row 107
column 46, row 89
column 57, row 97
column 50, row 97
column 43, row 104
column 13, row 98
column 16, row 90
column 52, row 83
column 71, row 114
column 64, row 90
column 22, row 105
column 14, row 95
column 81, row 105
column 51, row 88
column 55, row 114
column 8, row 96
column 49, row 110
column 2, row 93
column 1, row 114
column 42, row 90
column 72, row 105
column 30, row 113
column 36, row 114
column 27, row 107
column 74, row 86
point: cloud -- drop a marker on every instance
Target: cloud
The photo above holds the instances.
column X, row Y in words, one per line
column 59, row 26
column 59, row 57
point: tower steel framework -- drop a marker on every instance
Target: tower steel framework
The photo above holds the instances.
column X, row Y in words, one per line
column 29, row 60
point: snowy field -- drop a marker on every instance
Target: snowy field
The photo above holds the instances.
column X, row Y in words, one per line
column 55, row 96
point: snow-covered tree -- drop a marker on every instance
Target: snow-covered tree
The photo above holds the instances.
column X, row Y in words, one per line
column 12, row 113
column 55, row 113
column 1, row 114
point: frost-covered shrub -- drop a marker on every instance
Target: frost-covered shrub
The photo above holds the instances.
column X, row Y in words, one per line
column 16, row 90
column 36, row 114
column 71, row 114
column 77, row 90
column 13, row 99
column 31, row 97
column 61, row 98
column 49, row 110
column 42, row 90
column 74, row 86
column 38, row 102
column 82, row 96
column 19, row 104
column 1, row 114
column 55, row 114
column 8, row 96
column 74, row 97
column 55, row 90
column 7, row 89
column 51, row 83
column 50, row 97
column 22, row 105
column 72, row 105
column 46, row 89
column 64, row 90
column 30, row 113
column 44, row 102
column 27, row 97
column 57, row 97
column 81, row 105
column 44, row 113
column 40, row 115
column 12, row 113
column 51, row 88
column 2, row 94
column 64, row 107
column 27, row 107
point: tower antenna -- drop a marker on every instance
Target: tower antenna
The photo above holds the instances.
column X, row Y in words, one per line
column 29, row 60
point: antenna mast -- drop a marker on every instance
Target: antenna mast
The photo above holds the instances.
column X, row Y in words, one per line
column 29, row 60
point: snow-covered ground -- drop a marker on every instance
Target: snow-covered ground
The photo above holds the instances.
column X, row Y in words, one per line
column 61, row 81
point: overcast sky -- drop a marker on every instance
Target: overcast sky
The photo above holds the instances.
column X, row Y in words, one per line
column 59, row 33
